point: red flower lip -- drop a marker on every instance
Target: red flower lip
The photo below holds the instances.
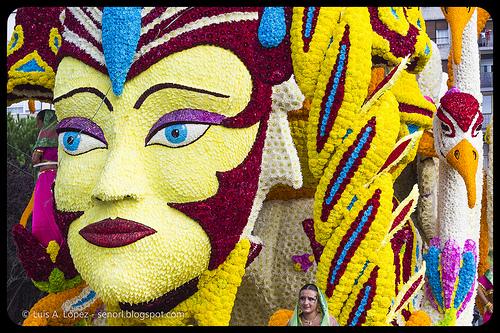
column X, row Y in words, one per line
column 115, row 232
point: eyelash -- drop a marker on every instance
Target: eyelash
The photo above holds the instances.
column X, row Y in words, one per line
column 178, row 134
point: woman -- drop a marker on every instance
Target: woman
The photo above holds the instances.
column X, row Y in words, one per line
column 44, row 156
column 485, row 291
column 311, row 309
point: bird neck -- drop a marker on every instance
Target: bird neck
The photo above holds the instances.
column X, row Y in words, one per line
column 454, row 217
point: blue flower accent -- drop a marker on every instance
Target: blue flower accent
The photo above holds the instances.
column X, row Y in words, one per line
column 349, row 131
column 16, row 39
column 347, row 167
column 56, row 42
column 361, row 307
column 432, row 272
column 121, row 29
column 71, row 141
column 176, row 133
column 310, row 16
column 419, row 24
column 352, row 238
column 412, row 128
column 87, row 298
column 333, row 92
column 394, row 13
column 30, row 66
column 427, row 49
column 272, row 27
column 466, row 278
column 354, row 199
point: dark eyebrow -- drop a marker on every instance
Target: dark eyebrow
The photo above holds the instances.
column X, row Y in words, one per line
column 161, row 86
column 89, row 90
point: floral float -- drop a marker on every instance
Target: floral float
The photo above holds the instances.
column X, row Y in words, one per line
column 215, row 159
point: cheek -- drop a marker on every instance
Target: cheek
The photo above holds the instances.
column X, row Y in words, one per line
column 187, row 174
column 76, row 178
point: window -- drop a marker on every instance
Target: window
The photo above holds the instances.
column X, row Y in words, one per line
column 442, row 37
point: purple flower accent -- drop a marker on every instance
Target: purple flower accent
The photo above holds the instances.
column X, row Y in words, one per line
column 86, row 126
column 35, row 259
column 450, row 266
column 185, row 116
column 435, row 242
column 303, row 260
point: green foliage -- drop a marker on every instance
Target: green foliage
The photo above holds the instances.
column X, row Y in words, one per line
column 57, row 282
column 21, row 137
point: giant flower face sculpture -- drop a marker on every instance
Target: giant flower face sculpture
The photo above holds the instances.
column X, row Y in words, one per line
column 162, row 118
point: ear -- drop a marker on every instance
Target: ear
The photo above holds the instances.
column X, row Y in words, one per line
column 272, row 52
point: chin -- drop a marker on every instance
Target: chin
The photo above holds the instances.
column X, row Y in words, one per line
column 136, row 273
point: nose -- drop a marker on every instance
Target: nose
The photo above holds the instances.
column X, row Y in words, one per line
column 123, row 177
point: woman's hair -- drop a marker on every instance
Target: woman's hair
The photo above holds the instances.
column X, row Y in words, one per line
column 309, row 286
column 40, row 115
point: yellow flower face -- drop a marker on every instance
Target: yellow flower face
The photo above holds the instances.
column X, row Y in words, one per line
column 128, row 157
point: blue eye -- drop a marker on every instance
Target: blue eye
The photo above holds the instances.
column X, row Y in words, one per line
column 178, row 135
column 76, row 143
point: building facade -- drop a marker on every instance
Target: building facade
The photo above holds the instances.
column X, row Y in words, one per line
column 439, row 31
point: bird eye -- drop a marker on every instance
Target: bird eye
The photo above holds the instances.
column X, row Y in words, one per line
column 76, row 143
column 445, row 127
column 477, row 130
column 178, row 135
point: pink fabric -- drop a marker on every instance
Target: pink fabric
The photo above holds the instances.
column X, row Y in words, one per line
column 49, row 154
column 487, row 286
column 43, row 224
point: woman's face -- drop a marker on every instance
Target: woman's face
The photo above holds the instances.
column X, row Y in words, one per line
column 308, row 300
column 137, row 154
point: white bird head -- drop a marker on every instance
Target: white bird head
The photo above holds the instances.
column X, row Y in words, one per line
column 458, row 138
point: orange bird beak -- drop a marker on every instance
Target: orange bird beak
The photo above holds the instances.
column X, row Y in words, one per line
column 464, row 158
column 457, row 17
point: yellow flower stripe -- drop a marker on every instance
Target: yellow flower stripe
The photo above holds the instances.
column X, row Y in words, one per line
column 385, row 288
column 414, row 141
column 45, row 79
column 376, row 232
column 346, row 309
column 387, row 124
column 217, row 288
column 381, row 46
column 414, row 16
column 398, row 24
column 298, row 130
column 55, row 35
column 396, row 170
column 399, row 301
column 212, row 304
column 307, row 65
column 19, row 41
column 357, row 79
column 406, row 91
column 412, row 196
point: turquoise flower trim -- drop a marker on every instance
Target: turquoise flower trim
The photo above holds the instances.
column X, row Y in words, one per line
column 272, row 27
column 121, row 29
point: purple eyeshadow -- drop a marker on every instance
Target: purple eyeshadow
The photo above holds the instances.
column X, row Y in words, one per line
column 84, row 125
column 186, row 116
